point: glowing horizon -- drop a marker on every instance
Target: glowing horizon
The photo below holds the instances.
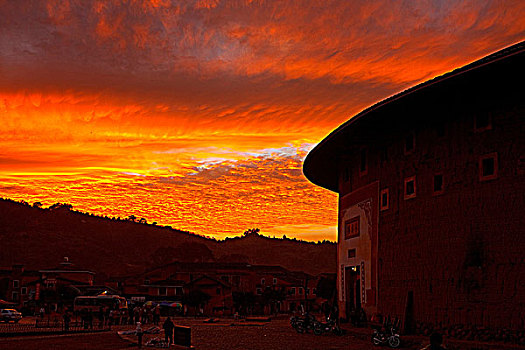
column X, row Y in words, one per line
column 198, row 114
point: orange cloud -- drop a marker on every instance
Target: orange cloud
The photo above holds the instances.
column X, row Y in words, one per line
column 198, row 114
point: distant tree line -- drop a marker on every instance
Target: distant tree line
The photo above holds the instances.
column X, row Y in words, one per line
column 252, row 232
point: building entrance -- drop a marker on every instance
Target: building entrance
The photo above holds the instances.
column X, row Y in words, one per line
column 352, row 289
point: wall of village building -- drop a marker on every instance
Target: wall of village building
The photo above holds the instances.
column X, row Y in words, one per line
column 450, row 251
column 222, row 281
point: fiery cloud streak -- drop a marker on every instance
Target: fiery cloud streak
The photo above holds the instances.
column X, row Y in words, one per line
column 197, row 114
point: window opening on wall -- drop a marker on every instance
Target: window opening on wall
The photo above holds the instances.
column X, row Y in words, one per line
column 363, row 166
column 482, row 121
column 438, row 183
column 409, row 143
column 384, row 154
column 263, row 281
column 351, row 253
column 488, row 167
column 274, row 280
column 384, row 199
column 410, row 187
column 352, row 228
column 440, row 130
column 16, row 283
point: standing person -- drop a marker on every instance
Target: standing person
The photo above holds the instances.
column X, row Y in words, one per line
column 131, row 314
column 67, row 319
column 124, row 316
column 83, row 318
column 150, row 314
column 90, row 319
column 107, row 316
column 139, row 333
column 42, row 312
column 100, row 316
column 156, row 315
column 141, row 314
column 436, row 339
column 136, row 313
column 168, row 330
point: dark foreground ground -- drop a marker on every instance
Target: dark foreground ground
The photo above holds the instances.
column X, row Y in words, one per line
column 276, row 334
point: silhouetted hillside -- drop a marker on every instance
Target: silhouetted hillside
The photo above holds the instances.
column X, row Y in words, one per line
column 40, row 238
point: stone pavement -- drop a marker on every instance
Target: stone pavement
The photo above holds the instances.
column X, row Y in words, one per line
column 420, row 341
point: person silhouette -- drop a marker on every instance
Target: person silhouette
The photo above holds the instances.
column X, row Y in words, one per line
column 436, row 339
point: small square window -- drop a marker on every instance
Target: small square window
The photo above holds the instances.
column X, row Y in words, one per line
column 384, row 154
column 363, row 165
column 384, row 199
column 410, row 143
column 482, row 121
column 23, row 290
column 259, row 291
column 292, row 290
column 440, row 130
column 351, row 253
column 488, row 167
column 301, row 290
column 410, row 187
column 438, row 184
column 16, row 283
column 352, row 228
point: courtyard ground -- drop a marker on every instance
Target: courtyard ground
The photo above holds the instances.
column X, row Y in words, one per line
column 231, row 335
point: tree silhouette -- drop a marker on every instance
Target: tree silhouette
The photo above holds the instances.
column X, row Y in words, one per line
column 131, row 218
column 251, row 232
column 66, row 206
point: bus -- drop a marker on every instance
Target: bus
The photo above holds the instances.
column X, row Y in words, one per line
column 94, row 303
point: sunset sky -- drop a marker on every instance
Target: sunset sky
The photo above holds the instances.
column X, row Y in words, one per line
column 198, row 114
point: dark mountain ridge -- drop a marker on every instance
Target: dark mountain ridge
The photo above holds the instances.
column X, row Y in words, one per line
column 40, row 238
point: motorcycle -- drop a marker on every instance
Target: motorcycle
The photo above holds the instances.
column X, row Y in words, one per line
column 328, row 326
column 293, row 321
column 386, row 336
column 303, row 324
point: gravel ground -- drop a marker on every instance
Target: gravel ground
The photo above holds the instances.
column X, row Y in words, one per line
column 277, row 334
column 93, row 341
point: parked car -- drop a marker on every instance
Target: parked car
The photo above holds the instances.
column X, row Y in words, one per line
column 7, row 315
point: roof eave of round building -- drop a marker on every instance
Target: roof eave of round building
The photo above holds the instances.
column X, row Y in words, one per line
column 320, row 165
